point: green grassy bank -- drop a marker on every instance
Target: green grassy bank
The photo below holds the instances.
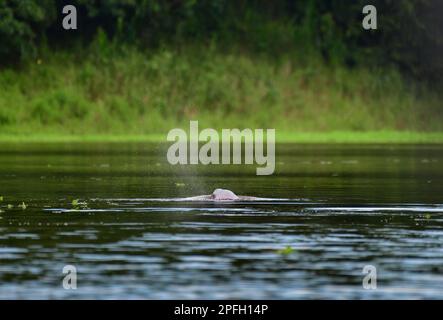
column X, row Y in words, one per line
column 116, row 94
column 380, row 137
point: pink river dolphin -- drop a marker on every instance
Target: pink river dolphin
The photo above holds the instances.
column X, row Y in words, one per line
column 222, row 195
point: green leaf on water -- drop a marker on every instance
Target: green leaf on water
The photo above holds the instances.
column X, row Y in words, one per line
column 427, row 216
column 10, row 206
column 180, row 184
column 1, row 198
column 23, row 206
column 286, row 251
column 77, row 204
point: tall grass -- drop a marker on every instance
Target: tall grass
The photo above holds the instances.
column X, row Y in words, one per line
column 108, row 89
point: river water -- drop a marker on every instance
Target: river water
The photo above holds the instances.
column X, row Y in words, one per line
column 338, row 208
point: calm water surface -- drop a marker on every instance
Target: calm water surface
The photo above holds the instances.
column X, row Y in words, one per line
column 347, row 207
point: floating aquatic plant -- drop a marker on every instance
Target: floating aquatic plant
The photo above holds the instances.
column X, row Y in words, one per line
column 180, row 184
column 23, row 206
column 1, row 198
column 286, row 251
column 76, row 204
column 10, row 206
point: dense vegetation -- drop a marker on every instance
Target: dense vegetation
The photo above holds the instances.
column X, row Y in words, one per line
column 411, row 31
column 142, row 66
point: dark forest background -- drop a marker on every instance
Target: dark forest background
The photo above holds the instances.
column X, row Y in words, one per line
column 410, row 31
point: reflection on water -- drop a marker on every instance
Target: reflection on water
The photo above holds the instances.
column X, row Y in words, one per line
column 346, row 207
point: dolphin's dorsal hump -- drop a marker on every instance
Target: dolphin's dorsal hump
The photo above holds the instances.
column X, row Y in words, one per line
column 224, row 194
